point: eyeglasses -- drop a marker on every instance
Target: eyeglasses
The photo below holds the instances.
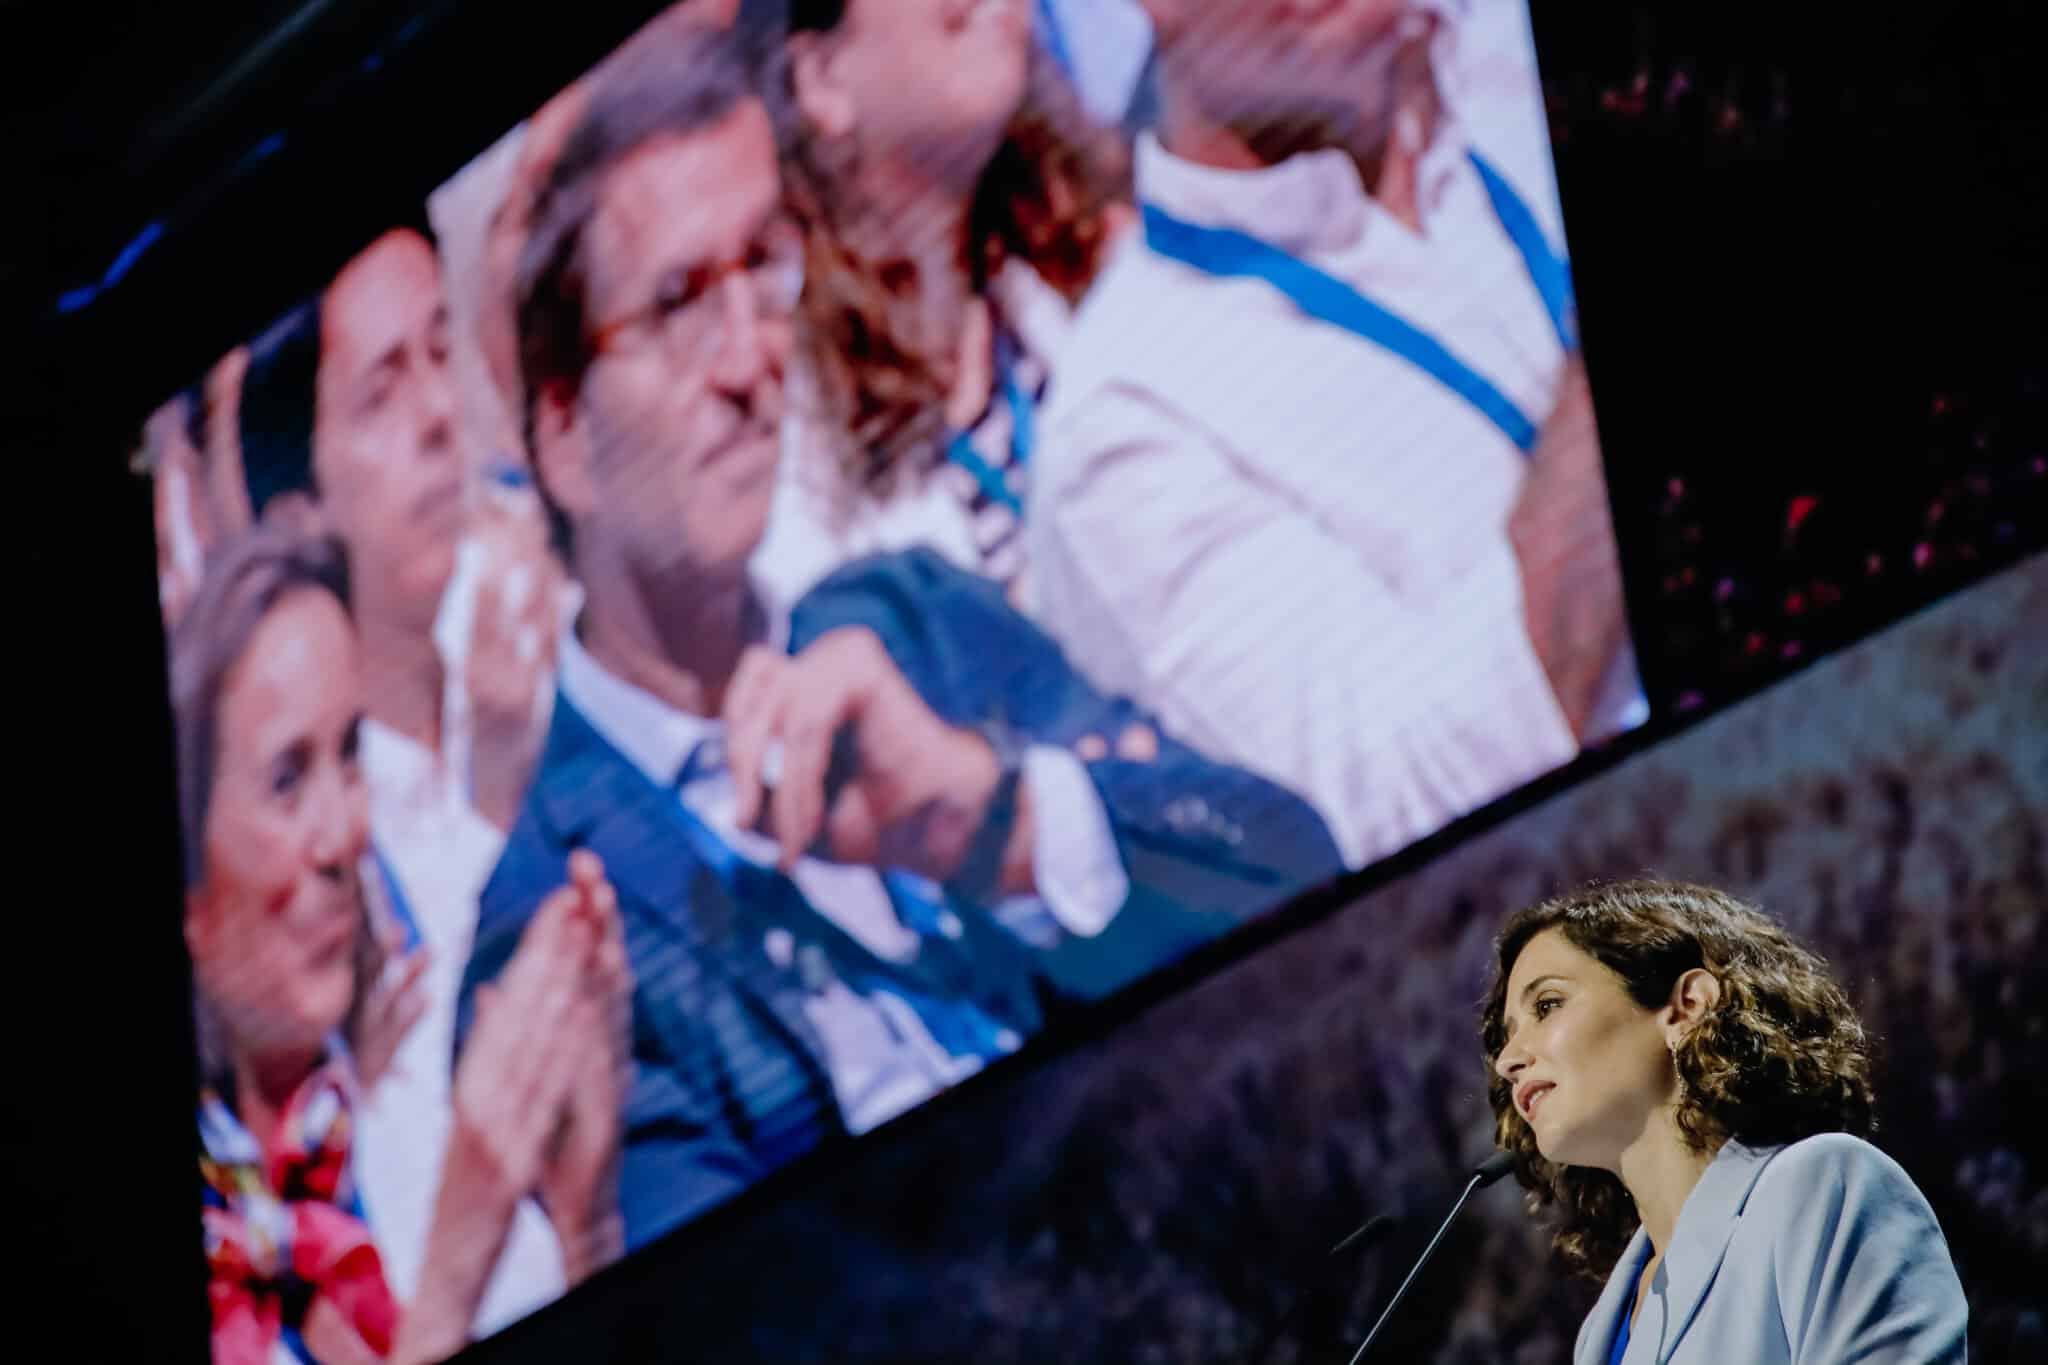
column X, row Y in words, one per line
column 687, row 317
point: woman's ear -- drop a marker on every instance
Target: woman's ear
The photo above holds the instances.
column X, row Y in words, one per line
column 824, row 100
column 198, row 924
column 1693, row 997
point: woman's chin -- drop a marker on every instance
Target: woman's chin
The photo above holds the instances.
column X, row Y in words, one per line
column 296, row 1028
column 1554, row 1147
column 319, row 1009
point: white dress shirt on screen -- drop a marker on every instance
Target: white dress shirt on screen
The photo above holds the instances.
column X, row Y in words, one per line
column 1290, row 541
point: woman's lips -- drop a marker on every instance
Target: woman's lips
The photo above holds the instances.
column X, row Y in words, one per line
column 333, row 937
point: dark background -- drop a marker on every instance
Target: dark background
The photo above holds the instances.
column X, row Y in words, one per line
column 1812, row 278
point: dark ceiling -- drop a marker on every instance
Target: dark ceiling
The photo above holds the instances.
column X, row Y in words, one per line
column 108, row 109
column 178, row 173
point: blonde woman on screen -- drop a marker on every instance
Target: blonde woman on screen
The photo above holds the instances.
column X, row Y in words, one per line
column 293, row 1023
column 1690, row 1089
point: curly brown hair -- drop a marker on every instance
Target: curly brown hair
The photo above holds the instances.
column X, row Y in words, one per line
column 1781, row 1056
column 1046, row 197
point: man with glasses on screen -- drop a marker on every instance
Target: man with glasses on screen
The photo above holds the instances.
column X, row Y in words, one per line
column 1319, row 480
column 857, row 852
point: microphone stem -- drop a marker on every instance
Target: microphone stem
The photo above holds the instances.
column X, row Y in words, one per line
column 1421, row 1261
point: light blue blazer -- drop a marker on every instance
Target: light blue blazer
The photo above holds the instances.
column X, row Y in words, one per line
column 1807, row 1254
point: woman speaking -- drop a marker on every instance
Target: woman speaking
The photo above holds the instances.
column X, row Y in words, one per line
column 1691, row 1087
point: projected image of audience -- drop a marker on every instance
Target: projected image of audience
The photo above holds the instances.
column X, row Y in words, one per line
column 855, row 533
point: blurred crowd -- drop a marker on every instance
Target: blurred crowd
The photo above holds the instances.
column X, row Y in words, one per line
column 1742, row 595
column 1856, row 449
column 855, row 531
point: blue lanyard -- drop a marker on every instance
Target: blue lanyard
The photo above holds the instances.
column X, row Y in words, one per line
column 1023, row 438
column 1550, row 270
column 400, row 909
column 1055, row 39
column 1228, row 253
column 296, row 1344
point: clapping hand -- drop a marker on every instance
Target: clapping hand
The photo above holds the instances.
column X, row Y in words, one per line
column 579, row 1180
column 529, row 1118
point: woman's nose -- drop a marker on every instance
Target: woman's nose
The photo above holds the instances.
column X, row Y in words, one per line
column 340, row 826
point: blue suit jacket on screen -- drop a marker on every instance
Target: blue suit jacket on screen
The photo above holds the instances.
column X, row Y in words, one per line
column 728, row 1078
column 1819, row 1252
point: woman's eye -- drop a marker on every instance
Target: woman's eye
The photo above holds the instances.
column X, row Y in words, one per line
column 286, row 773
column 378, row 395
column 1544, row 1006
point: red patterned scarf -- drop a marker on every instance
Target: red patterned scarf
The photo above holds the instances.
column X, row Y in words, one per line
column 285, row 1230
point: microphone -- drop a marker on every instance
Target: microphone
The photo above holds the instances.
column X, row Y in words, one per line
column 1379, row 1222
column 1367, row 1232
column 1488, row 1171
